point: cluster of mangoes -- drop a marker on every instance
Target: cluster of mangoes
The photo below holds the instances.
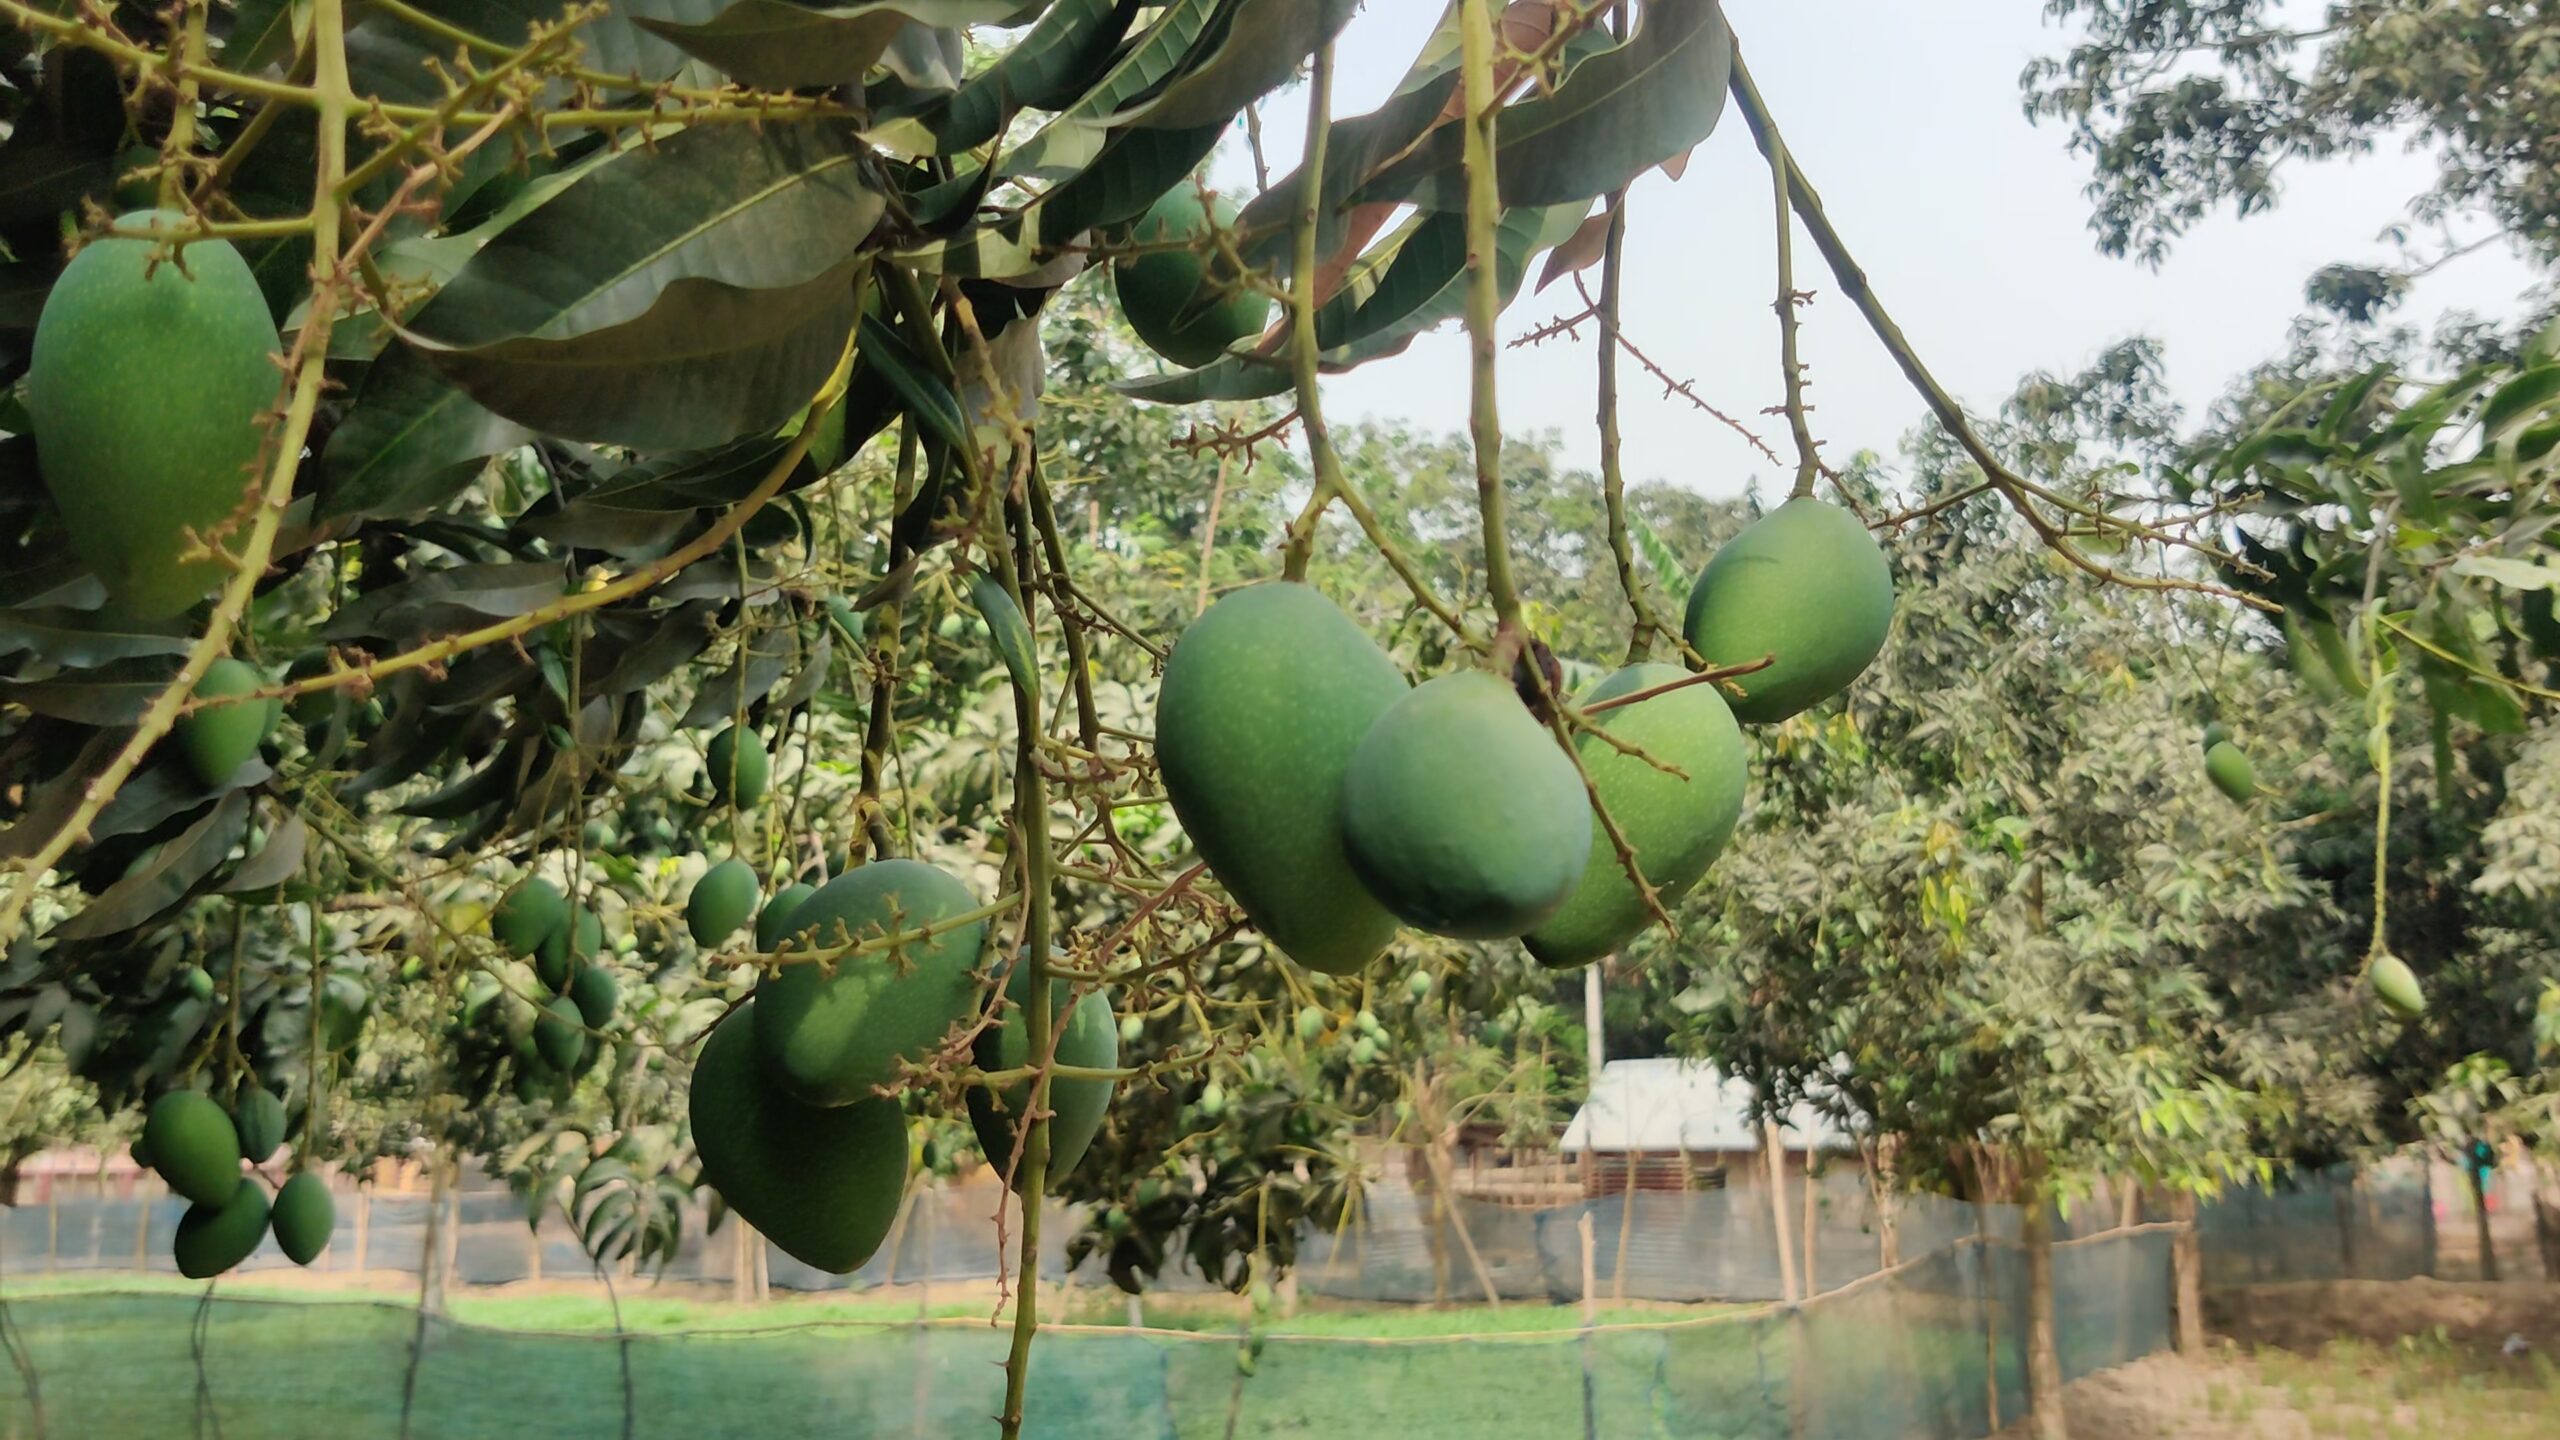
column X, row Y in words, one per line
column 1336, row 802
column 199, row 1148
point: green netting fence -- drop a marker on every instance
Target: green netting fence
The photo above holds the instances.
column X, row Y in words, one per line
column 1932, row 1350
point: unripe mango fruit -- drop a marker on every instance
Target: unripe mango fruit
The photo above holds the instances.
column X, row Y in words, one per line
column 214, row 1237
column 147, row 384
column 1677, row 826
column 559, row 1033
column 218, row 740
column 1461, row 813
column 1182, row 301
column 530, row 914
column 1087, row 1037
column 774, row 925
column 2396, row 985
column 740, row 767
column 831, row 1030
column 303, row 1217
column 2228, row 767
column 1805, row 583
column 1264, row 699
column 258, row 1118
column 721, row 902
column 823, row 1183
column 193, row 1146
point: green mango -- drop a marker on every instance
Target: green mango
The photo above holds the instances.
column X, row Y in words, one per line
column 1088, row 1037
column 193, row 1146
column 1184, row 302
column 721, row 902
column 1264, row 699
column 2228, row 767
column 1461, row 814
column 596, row 995
column 739, row 766
column 824, row 1183
column 258, row 1117
column 774, row 925
column 303, row 1218
column 1311, row 1022
column 529, row 916
column 214, row 1237
column 218, row 741
column 831, row 1030
column 148, row 384
column 1676, row 826
column 2396, row 985
column 2215, row 734
column 568, row 949
column 559, row 1033
column 197, row 983
column 1805, row 583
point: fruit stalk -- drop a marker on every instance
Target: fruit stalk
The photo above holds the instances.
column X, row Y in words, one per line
column 1484, row 302
column 1303, row 302
column 1031, row 831
column 2020, row 493
column 283, row 454
column 182, row 123
column 1781, row 173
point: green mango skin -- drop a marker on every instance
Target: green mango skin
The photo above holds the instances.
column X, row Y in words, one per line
column 1805, row 583
column 596, row 995
column 217, row 742
column 2228, row 767
column 147, row 386
column 774, row 925
column 721, row 902
column 557, row 962
column 303, row 1218
column 1265, row 698
column 1089, row 1038
column 559, row 1034
column 530, row 915
column 2215, row 734
column 824, row 1183
column 214, row 1237
column 1169, row 296
column 2396, row 985
column 193, row 1146
column 740, row 767
column 1677, row 827
column 259, row 1120
column 1461, row 815
column 833, row 1030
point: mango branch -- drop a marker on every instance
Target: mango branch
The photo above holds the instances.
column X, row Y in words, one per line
column 281, row 452
column 1302, row 302
column 1032, row 848
column 2021, row 494
column 1808, row 457
column 1703, row 677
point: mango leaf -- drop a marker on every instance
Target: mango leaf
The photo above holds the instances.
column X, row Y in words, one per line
column 2519, row 403
column 83, row 639
column 1076, row 138
column 52, row 795
column 1618, row 114
column 1011, row 631
column 777, row 45
column 1357, row 148
column 749, row 679
column 1046, row 69
column 815, row 661
column 276, row 862
column 920, row 392
column 1133, row 169
column 461, row 594
column 113, row 694
column 389, row 57
column 167, row 879
column 2513, row 574
column 1260, row 47
column 672, row 297
column 261, row 34
column 412, row 441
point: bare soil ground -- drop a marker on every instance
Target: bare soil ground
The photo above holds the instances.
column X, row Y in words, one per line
column 2359, row 1360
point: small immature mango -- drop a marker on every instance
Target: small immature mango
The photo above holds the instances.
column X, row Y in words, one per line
column 219, row 740
column 739, row 766
column 720, row 903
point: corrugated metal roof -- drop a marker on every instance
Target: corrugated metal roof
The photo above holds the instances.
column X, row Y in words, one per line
column 1662, row 1104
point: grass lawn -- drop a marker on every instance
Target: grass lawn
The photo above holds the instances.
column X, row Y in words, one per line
column 2425, row 1388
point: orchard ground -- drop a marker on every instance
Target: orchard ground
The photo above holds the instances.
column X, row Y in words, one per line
column 2356, row 1360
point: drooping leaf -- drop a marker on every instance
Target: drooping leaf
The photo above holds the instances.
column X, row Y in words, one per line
column 277, row 861
column 1011, row 631
column 113, row 694
column 672, row 297
column 777, row 45
column 412, row 441
column 168, row 877
column 1618, row 114
column 1259, row 45
column 1131, row 171
column 83, row 639
column 441, row 599
column 1046, row 69
column 1076, row 138
column 749, row 679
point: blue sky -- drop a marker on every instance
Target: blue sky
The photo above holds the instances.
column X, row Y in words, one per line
column 1971, row 223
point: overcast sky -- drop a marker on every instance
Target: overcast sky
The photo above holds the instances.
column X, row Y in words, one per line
column 1971, row 223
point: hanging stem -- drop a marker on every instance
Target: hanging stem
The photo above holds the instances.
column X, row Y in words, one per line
column 1613, row 479
column 1808, row 462
column 1303, row 303
column 1031, row 840
column 181, row 141
column 1484, row 302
